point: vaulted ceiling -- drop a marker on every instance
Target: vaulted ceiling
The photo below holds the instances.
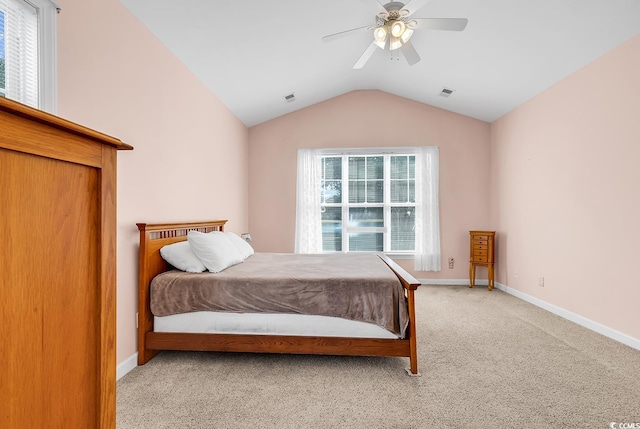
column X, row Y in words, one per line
column 253, row 53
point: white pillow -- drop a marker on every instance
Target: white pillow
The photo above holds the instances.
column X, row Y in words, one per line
column 239, row 243
column 182, row 257
column 214, row 249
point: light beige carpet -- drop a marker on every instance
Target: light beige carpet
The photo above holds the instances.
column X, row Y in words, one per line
column 488, row 360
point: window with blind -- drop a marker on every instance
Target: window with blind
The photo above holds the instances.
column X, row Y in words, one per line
column 2, row 55
column 27, row 52
column 368, row 203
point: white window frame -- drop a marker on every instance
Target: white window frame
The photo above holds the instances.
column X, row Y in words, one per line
column 3, row 90
column 386, row 204
column 308, row 236
column 46, row 11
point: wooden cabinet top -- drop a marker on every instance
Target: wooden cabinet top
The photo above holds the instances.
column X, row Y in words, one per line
column 21, row 110
column 482, row 232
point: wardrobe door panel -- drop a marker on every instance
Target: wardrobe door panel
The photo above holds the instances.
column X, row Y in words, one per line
column 55, row 271
column 71, row 309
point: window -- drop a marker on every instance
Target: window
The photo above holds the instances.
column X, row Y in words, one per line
column 2, row 54
column 368, row 203
column 369, row 200
column 27, row 52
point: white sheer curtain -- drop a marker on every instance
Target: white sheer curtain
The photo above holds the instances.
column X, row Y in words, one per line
column 308, row 217
column 427, row 257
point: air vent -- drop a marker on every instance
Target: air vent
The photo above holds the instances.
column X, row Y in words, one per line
column 446, row 92
column 290, row 98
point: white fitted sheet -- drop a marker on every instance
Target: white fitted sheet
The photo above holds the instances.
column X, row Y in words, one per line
column 268, row 324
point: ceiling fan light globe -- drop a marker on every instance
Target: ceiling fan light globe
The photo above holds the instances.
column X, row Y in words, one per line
column 397, row 28
column 396, row 43
column 380, row 34
column 406, row 35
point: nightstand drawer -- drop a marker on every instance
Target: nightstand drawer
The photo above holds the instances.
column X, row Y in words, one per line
column 479, row 259
column 479, row 252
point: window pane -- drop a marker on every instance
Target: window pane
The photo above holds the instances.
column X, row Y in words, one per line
column 332, row 229
column 412, row 167
column 399, row 168
column 375, row 167
column 332, row 167
column 412, row 191
column 399, row 191
column 357, row 191
column 21, row 52
column 331, row 191
column 366, row 242
column 403, row 222
column 2, row 54
column 331, row 184
column 366, row 217
column 375, row 191
column 357, row 168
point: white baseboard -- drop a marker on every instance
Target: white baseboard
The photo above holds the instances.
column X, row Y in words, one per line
column 126, row 366
column 575, row 318
column 450, row 282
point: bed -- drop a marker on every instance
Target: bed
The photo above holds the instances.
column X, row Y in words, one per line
column 151, row 339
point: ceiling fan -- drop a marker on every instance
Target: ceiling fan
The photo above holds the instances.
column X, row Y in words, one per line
column 394, row 26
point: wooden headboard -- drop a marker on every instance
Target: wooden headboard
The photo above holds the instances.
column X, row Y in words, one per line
column 152, row 238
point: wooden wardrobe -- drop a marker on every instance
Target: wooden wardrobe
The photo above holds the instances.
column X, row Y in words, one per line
column 57, row 272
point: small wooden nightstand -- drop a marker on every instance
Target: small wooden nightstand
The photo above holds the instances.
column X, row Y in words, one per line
column 481, row 253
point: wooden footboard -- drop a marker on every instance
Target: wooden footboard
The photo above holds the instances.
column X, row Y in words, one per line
column 154, row 236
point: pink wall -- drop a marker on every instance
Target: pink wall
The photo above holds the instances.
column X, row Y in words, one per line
column 565, row 192
column 371, row 119
column 190, row 157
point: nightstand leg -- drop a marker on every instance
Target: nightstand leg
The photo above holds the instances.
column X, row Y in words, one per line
column 472, row 275
column 491, row 277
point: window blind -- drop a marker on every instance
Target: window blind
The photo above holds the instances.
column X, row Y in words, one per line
column 20, row 50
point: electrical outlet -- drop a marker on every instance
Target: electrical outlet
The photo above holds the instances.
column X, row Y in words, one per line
column 541, row 281
column 451, row 263
column 517, row 274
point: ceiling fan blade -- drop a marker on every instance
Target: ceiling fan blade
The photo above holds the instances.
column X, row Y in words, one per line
column 366, row 55
column 410, row 53
column 340, row 34
column 413, row 6
column 451, row 24
column 376, row 3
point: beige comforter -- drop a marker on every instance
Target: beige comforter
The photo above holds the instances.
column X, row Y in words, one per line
column 352, row 286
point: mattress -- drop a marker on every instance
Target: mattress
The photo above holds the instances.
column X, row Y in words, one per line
column 210, row 322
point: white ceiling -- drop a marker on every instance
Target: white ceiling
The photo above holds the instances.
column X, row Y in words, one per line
column 252, row 53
